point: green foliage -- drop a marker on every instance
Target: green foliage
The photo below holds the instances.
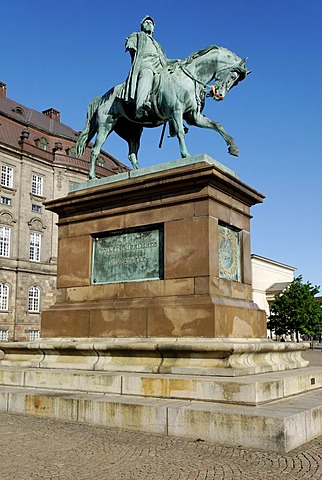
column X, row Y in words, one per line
column 296, row 310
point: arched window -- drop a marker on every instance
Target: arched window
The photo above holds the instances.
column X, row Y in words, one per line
column 71, row 152
column 34, row 299
column 4, row 297
column 42, row 143
column 19, row 110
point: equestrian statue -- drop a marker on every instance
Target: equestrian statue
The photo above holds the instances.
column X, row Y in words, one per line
column 158, row 91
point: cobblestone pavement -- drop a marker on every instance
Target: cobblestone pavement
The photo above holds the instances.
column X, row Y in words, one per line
column 39, row 448
column 315, row 357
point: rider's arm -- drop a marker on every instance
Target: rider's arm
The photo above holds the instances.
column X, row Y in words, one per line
column 131, row 45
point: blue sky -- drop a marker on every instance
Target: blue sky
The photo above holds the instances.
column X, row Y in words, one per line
column 62, row 54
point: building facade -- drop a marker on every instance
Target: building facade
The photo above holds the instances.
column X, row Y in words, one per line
column 269, row 278
column 37, row 163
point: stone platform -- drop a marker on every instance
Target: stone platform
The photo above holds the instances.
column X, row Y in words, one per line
column 154, row 328
column 88, row 381
column 196, row 356
column 69, row 450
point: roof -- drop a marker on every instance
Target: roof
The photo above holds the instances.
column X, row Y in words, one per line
column 16, row 117
column 278, row 287
column 34, row 118
column 273, row 262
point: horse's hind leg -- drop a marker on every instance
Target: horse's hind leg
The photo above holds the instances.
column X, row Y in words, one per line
column 131, row 133
column 104, row 129
column 132, row 156
column 134, row 145
column 202, row 121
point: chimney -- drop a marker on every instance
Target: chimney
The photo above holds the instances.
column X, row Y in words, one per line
column 52, row 113
column 3, row 90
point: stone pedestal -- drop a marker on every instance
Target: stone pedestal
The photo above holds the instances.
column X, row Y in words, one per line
column 199, row 214
column 154, row 328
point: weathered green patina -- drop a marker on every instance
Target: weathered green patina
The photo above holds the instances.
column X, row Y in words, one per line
column 148, row 60
column 158, row 91
column 128, row 256
column 229, row 253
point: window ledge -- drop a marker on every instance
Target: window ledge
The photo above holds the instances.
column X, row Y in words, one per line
column 37, row 198
column 8, row 190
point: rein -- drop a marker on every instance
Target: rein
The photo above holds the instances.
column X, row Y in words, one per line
column 205, row 85
column 212, row 88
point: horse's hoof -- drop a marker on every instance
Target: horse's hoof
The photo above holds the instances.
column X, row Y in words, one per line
column 233, row 151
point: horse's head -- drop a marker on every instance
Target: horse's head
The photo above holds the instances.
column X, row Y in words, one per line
column 227, row 78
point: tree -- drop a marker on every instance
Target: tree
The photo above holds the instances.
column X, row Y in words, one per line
column 296, row 310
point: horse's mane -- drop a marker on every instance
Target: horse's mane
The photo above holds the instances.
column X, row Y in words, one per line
column 204, row 51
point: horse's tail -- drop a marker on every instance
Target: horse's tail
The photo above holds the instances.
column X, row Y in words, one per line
column 90, row 127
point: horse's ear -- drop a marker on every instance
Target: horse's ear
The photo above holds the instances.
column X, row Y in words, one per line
column 248, row 72
column 244, row 60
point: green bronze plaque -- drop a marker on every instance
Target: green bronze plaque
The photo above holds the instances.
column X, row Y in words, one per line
column 128, row 256
column 229, row 253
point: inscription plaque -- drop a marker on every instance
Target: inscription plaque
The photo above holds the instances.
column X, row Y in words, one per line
column 128, row 256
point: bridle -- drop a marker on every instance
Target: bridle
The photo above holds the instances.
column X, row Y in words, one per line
column 212, row 88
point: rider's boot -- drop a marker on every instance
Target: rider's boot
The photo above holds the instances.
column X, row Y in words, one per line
column 143, row 109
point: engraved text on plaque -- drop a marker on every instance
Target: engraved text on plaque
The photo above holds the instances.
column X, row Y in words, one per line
column 128, row 256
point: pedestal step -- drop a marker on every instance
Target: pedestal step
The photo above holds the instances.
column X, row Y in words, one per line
column 279, row 426
column 216, row 357
column 248, row 390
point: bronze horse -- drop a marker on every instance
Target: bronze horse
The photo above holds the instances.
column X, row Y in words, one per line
column 179, row 95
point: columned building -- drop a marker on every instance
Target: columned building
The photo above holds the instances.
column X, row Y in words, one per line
column 37, row 163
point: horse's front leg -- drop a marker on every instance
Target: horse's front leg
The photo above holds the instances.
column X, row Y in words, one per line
column 177, row 123
column 204, row 122
column 91, row 173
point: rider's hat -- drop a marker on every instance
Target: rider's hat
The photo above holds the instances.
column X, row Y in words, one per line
column 147, row 17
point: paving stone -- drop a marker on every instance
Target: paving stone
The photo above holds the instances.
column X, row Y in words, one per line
column 41, row 448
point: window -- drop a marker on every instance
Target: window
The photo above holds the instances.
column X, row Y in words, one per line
column 34, row 299
column 6, row 176
column 36, row 208
column 71, row 152
column 34, row 335
column 4, row 335
column 4, row 241
column 37, row 185
column 5, row 200
column 4, row 297
column 19, row 110
column 34, row 246
column 42, row 143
